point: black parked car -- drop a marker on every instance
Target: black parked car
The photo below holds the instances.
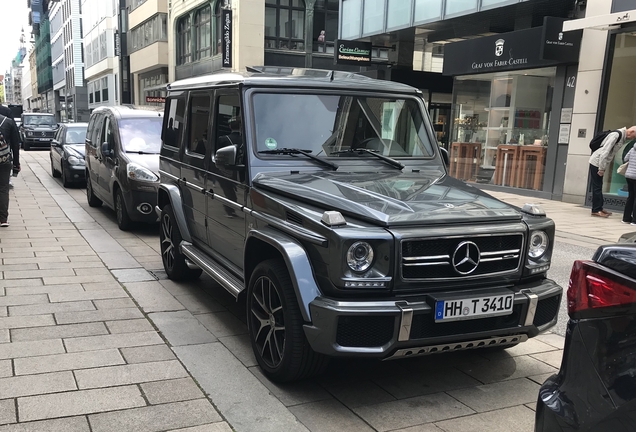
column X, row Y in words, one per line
column 122, row 161
column 37, row 130
column 595, row 390
column 67, row 153
column 323, row 199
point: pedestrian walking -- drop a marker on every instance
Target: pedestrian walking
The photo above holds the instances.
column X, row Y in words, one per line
column 6, row 111
column 600, row 160
column 9, row 162
column 629, row 214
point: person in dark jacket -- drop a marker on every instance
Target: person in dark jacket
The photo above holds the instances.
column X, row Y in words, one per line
column 12, row 163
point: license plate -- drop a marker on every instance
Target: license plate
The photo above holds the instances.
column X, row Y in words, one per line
column 477, row 307
column 45, row 139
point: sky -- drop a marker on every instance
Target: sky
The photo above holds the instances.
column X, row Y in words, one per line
column 14, row 16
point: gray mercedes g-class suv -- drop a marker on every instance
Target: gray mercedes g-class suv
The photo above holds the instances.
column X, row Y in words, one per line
column 323, row 198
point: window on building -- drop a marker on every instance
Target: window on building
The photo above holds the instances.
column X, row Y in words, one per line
column 351, row 15
column 285, row 24
column 218, row 27
column 105, row 89
column 184, row 40
column 150, row 31
column 91, row 86
column 325, row 25
column 203, row 33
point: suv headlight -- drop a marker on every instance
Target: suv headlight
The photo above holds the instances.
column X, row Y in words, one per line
column 137, row 172
column 29, row 133
column 360, row 256
column 538, row 245
column 74, row 160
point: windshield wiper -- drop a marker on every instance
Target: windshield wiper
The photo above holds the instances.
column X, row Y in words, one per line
column 386, row 159
column 295, row 151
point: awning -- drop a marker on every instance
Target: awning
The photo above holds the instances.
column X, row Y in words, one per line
column 601, row 22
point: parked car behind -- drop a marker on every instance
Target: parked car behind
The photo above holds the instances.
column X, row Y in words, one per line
column 67, row 153
column 122, row 161
column 37, row 130
column 595, row 389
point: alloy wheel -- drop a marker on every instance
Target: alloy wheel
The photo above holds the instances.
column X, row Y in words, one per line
column 268, row 323
column 167, row 246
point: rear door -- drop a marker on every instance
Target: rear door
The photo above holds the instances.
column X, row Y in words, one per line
column 93, row 151
column 107, row 163
column 56, row 148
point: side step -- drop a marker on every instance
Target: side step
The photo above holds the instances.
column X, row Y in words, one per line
column 227, row 280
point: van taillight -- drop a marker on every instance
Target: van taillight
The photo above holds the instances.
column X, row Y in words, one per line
column 593, row 286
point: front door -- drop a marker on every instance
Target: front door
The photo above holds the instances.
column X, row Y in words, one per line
column 196, row 146
column 226, row 220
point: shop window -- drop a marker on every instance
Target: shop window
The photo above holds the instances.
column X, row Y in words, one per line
column 203, row 33
column 351, row 13
column 373, row 17
column 285, row 24
column 398, row 13
column 199, row 117
column 325, row 25
column 184, row 40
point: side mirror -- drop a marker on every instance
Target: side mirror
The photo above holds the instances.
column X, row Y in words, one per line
column 106, row 150
column 55, row 143
column 445, row 156
column 225, row 157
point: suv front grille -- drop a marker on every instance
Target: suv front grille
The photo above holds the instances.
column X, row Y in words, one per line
column 488, row 255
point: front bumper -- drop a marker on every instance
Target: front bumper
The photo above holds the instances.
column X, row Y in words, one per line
column 141, row 204
column 38, row 141
column 75, row 173
column 402, row 327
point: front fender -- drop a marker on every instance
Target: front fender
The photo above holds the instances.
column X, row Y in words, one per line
column 173, row 195
column 297, row 262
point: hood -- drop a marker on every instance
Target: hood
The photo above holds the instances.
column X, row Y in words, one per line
column 78, row 150
column 391, row 198
column 150, row 161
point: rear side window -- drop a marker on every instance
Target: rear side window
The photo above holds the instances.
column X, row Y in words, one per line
column 173, row 127
column 199, row 118
column 90, row 129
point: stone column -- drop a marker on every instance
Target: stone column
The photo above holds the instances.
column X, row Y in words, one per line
column 309, row 31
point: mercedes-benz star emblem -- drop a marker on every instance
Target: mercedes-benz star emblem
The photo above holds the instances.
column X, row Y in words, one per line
column 43, row 133
column 466, row 258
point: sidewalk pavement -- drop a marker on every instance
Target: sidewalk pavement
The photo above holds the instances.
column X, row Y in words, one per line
column 94, row 337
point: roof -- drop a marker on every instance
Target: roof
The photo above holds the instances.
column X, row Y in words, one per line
column 132, row 110
column 37, row 114
column 288, row 77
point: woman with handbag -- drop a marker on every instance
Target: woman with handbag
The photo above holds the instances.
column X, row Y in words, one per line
column 629, row 215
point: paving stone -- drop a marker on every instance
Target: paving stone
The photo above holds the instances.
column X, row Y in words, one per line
column 329, row 416
column 31, row 348
column 200, row 303
column 178, row 288
column 436, row 380
column 146, row 354
column 20, row 283
column 23, row 266
column 293, row 393
column 78, row 279
column 118, row 260
column 58, row 332
column 29, row 274
column 428, row 427
column 212, row 427
column 13, row 300
column 68, row 361
column 222, row 324
column 49, row 308
column 72, row 265
column 176, row 390
column 98, row 315
column 129, row 374
column 498, row 395
column 555, row 340
column 223, row 380
column 540, row 379
column 139, row 251
column 413, row 411
column 4, row 311
column 87, row 295
column 181, row 328
column 70, row 424
column 79, row 402
column 99, row 286
column 99, row 241
column 517, row 418
column 36, row 384
column 116, row 303
column 17, row 255
column 510, row 368
column 153, row 297
column 10, row 251
column 92, row 343
column 43, row 289
column 553, row 358
column 531, row 346
column 132, row 275
column 84, row 258
column 4, row 336
column 92, row 272
column 129, row 326
column 360, row 394
column 5, row 368
column 156, row 418
column 7, row 411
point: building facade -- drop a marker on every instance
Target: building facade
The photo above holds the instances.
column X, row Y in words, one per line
column 27, row 89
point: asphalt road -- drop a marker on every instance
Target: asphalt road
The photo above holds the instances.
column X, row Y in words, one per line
column 563, row 257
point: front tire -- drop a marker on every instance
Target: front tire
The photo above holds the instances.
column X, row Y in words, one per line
column 93, row 201
column 123, row 219
column 275, row 326
column 65, row 181
column 174, row 262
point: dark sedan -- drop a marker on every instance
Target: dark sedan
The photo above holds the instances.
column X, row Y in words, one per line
column 595, row 390
column 67, row 153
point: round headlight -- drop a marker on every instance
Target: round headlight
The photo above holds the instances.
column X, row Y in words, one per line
column 360, row 256
column 539, row 242
column 74, row 160
column 29, row 133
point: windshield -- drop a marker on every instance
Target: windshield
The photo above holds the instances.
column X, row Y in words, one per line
column 76, row 135
column 39, row 121
column 141, row 134
column 328, row 124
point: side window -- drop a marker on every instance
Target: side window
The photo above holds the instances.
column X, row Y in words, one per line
column 59, row 134
column 96, row 136
column 199, row 118
column 229, row 125
column 173, row 127
column 90, row 129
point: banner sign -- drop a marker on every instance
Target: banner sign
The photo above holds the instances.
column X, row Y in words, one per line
column 353, row 53
column 226, row 21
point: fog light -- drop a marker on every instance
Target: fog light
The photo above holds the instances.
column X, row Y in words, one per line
column 144, row 208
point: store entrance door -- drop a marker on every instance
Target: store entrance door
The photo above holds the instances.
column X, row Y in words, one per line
column 440, row 116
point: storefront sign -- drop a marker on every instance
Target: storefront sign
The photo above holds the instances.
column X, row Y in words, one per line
column 155, row 99
column 566, row 115
column 564, row 134
column 558, row 45
column 353, row 53
column 226, row 19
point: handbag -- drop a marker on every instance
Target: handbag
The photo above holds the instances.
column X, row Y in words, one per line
column 622, row 169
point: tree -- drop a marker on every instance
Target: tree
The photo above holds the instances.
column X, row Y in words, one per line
column 1, row 93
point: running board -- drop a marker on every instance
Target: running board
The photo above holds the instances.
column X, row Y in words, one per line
column 227, row 280
column 458, row 346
